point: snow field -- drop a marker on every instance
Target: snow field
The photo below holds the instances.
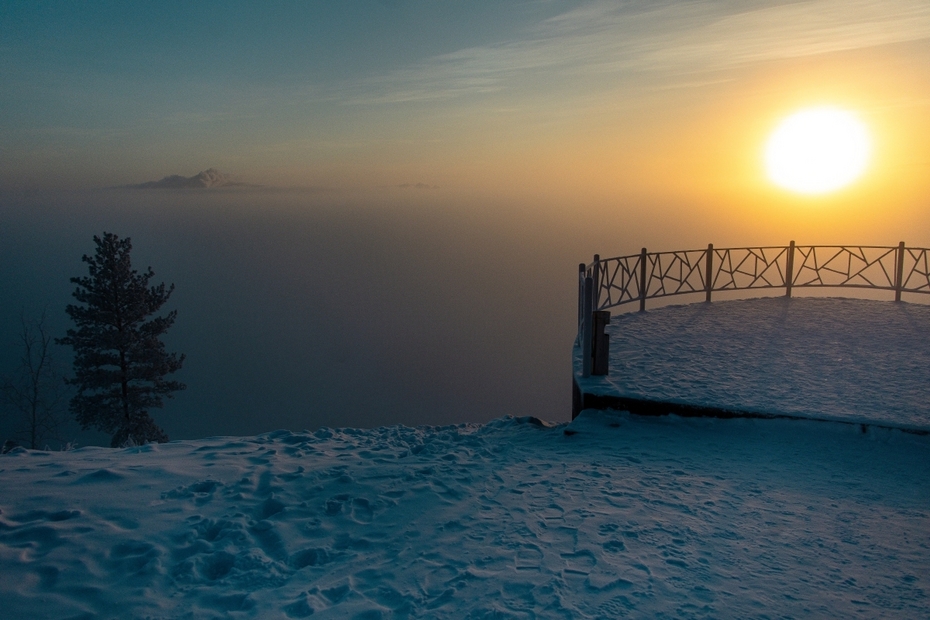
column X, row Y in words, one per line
column 608, row 516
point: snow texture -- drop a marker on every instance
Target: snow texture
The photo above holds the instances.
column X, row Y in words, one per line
column 609, row 516
column 829, row 358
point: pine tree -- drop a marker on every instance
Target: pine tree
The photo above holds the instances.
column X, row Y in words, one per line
column 120, row 362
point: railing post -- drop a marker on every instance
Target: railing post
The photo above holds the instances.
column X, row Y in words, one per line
column 597, row 282
column 899, row 273
column 789, row 270
column 580, row 294
column 709, row 270
column 642, row 280
column 587, row 327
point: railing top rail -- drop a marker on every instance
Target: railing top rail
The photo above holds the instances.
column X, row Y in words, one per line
column 627, row 279
column 757, row 247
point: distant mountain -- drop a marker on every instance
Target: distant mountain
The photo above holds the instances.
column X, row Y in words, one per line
column 204, row 179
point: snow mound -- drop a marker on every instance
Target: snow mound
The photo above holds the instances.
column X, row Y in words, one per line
column 611, row 515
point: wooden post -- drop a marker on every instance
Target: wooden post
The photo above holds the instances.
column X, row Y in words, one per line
column 580, row 294
column 642, row 280
column 600, row 344
column 597, row 282
column 587, row 327
column 709, row 270
column 899, row 273
column 789, row 270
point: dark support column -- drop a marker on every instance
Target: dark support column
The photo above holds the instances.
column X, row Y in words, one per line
column 642, row 280
column 577, row 398
column 600, row 344
column 587, row 327
column 789, row 270
column 597, row 281
column 899, row 273
column 709, row 270
column 580, row 294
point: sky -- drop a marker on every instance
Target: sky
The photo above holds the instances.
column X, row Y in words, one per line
column 424, row 177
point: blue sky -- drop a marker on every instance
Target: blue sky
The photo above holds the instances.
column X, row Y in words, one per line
column 322, row 93
column 131, row 76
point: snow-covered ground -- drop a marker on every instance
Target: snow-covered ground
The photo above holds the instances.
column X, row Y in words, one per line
column 835, row 358
column 611, row 515
column 608, row 516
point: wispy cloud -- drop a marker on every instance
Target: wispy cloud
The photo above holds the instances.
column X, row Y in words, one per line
column 604, row 38
column 795, row 30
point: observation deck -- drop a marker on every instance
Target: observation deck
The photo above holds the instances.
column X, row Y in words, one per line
column 859, row 361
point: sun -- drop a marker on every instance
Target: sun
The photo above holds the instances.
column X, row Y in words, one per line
column 817, row 150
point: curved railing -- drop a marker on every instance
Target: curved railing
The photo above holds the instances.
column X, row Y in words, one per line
column 611, row 282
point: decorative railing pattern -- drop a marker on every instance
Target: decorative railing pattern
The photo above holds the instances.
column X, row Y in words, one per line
column 611, row 282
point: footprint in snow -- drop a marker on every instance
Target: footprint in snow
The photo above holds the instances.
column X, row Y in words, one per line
column 358, row 509
column 362, row 511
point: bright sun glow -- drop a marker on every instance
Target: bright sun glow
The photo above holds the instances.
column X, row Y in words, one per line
column 817, row 150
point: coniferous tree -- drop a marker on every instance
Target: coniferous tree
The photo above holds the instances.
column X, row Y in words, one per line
column 120, row 362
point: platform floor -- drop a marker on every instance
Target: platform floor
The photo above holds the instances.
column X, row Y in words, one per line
column 850, row 360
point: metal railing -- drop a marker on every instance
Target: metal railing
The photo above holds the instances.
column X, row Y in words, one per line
column 611, row 282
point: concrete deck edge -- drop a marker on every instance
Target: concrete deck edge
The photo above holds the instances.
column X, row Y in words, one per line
column 640, row 406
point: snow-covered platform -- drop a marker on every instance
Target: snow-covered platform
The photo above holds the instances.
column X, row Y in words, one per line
column 837, row 359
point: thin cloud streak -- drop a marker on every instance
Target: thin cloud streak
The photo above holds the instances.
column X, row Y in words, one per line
column 602, row 39
column 797, row 30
